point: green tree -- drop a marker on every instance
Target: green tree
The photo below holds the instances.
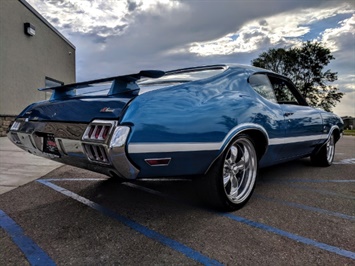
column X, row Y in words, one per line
column 305, row 67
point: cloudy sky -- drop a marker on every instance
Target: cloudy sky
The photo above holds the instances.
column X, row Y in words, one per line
column 114, row 37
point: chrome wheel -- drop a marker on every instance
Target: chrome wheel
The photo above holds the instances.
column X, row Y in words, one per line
column 330, row 147
column 239, row 170
column 324, row 156
column 229, row 183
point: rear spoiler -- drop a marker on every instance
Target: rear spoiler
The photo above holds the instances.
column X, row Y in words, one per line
column 120, row 84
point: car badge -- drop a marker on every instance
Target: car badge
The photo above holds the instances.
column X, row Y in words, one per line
column 107, row 110
column 28, row 112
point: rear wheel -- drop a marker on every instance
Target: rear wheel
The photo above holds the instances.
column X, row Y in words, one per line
column 325, row 156
column 231, row 180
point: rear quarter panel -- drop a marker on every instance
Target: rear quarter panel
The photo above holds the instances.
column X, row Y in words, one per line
column 331, row 121
column 200, row 112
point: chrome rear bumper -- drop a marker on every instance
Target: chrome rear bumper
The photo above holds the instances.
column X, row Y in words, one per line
column 98, row 146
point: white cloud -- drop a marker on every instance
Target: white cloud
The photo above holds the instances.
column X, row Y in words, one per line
column 341, row 41
column 97, row 17
column 120, row 36
column 346, row 84
column 347, row 106
column 284, row 29
column 334, row 37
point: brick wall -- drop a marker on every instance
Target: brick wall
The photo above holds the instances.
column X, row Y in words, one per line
column 5, row 122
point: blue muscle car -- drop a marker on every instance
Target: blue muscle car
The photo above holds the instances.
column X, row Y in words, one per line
column 217, row 124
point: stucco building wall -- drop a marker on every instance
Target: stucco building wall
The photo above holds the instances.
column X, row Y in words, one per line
column 26, row 61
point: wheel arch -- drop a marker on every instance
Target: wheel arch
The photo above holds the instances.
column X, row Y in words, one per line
column 336, row 132
column 257, row 133
column 259, row 139
column 333, row 130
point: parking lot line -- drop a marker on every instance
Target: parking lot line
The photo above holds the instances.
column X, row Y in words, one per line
column 187, row 251
column 291, row 204
column 73, row 179
column 316, row 181
column 305, row 207
column 301, row 239
column 315, row 190
column 34, row 254
column 346, row 161
column 304, row 240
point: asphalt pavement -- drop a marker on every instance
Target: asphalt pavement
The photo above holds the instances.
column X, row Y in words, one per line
column 298, row 215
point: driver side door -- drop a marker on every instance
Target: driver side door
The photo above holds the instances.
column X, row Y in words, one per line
column 302, row 123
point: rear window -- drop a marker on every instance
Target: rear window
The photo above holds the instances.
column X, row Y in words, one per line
column 171, row 78
column 261, row 84
column 177, row 77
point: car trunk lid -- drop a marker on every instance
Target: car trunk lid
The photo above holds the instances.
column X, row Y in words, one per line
column 85, row 101
column 80, row 109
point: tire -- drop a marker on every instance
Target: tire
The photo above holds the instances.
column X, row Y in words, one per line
column 325, row 155
column 230, row 182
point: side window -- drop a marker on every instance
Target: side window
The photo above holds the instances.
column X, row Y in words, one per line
column 261, row 84
column 283, row 91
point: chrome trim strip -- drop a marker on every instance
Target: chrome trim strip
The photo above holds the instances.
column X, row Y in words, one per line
column 216, row 146
column 289, row 140
column 171, row 147
column 74, row 151
column 243, row 127
column 192, row 146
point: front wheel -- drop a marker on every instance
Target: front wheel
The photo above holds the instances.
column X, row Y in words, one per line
column 231, row 180
column 325, row 156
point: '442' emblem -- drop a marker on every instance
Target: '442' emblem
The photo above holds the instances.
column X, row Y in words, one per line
column 107, row 110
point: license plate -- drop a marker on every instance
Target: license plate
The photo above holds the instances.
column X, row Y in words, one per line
column 49, row 145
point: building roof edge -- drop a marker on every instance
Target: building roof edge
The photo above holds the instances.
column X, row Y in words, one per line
column 38, row 15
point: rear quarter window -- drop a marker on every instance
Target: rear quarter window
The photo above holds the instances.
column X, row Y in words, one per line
column 261, row 84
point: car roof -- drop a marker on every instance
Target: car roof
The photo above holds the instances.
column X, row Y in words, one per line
column 183, row 75
column 216, row 67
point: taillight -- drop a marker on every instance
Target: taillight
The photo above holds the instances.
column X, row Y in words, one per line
column 91, row 131
column 106, row 131
column 98, row 130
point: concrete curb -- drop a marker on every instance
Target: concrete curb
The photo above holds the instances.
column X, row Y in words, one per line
column 18, row 167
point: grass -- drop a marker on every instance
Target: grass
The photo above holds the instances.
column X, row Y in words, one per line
column 349, row 132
